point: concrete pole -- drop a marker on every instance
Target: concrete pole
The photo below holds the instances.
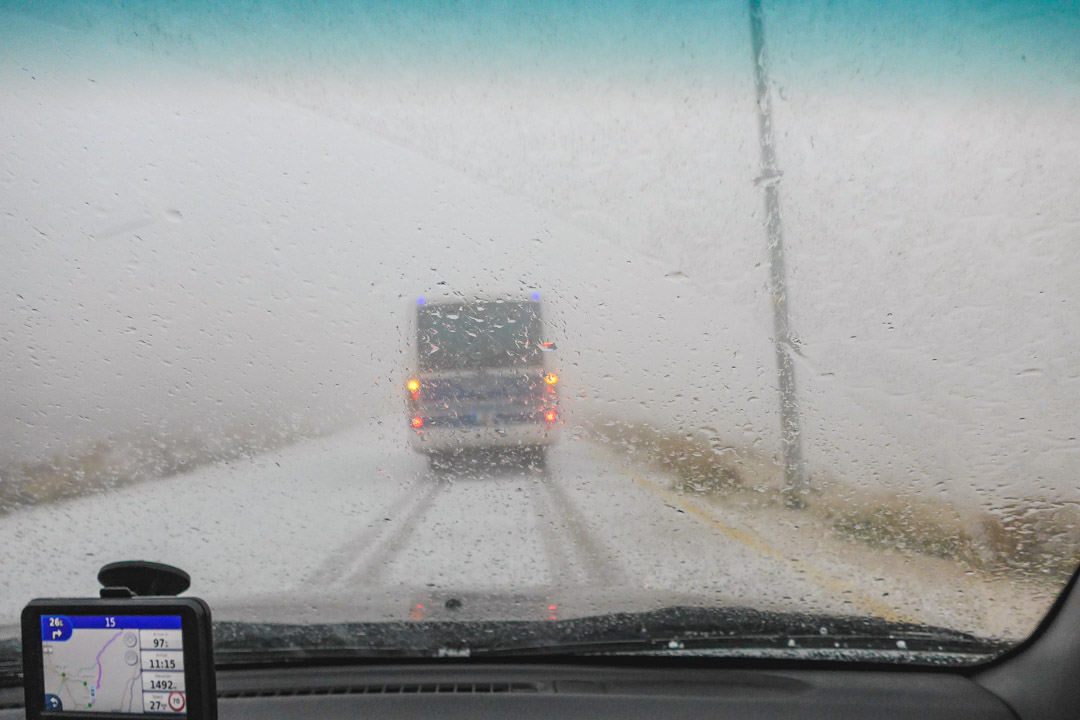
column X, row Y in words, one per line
column 795, row 482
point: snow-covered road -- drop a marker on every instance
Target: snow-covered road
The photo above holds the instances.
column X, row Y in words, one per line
column 356, row 520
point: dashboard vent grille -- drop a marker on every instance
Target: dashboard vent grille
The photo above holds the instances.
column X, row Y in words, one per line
column 389, row 689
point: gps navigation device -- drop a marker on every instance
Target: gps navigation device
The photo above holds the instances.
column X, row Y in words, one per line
column 115, row 658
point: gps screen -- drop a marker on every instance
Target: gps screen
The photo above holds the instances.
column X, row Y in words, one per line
column 113, row 663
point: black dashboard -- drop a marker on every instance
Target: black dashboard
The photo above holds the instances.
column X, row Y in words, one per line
column 593, row 691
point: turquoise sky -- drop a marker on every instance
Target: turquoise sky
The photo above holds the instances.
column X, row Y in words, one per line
column 1026, row 46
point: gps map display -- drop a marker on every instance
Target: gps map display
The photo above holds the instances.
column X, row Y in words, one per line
column 113, row 663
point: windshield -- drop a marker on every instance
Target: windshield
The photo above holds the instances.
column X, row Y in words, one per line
column 440, row 328
column 478, row 335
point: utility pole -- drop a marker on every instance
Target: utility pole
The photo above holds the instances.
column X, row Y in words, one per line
column 795, row 483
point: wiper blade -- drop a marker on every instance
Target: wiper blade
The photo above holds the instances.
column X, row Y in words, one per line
column 682, row 629
column 674, row 630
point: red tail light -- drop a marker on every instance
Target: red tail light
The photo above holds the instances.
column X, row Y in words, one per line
column 418, row 422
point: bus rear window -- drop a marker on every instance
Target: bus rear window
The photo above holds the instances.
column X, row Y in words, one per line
column 477, row 336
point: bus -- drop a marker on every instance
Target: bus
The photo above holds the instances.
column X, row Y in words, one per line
column 483, row 379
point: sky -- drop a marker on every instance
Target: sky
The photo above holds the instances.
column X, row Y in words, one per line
column 222, row 216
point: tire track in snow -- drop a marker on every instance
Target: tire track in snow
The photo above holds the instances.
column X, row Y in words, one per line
column 371, row 569
column 338, row 567
column 596, row 561
column 556, row 550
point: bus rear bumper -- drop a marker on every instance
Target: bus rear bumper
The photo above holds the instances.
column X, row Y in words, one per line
column 438, row 440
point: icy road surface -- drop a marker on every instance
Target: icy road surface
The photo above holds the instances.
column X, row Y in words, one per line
column 360, row 519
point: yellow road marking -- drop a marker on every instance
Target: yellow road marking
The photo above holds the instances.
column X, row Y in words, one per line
column 830, row 583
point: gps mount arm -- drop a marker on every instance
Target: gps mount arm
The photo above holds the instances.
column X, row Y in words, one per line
column 140, row 577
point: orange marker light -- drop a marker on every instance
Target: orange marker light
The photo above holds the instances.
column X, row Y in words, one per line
column 551, row 416
column 413, row 386
column 551, row 378
column 418, row 422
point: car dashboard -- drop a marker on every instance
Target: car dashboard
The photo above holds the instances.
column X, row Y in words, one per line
column 592, row 690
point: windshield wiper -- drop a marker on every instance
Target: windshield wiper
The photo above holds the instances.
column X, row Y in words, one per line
column 673, row 629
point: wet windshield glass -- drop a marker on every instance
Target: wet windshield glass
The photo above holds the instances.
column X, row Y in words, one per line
column 758, row 318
